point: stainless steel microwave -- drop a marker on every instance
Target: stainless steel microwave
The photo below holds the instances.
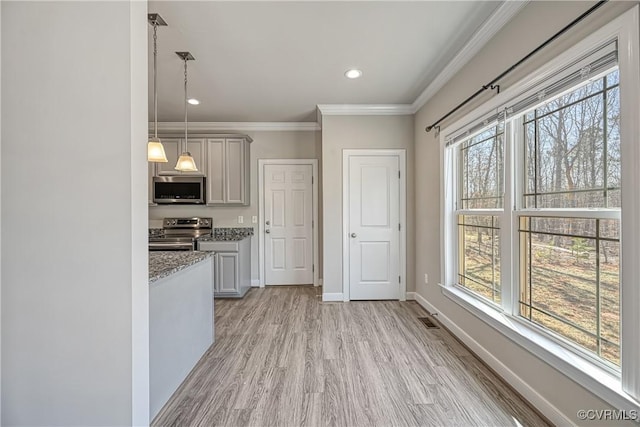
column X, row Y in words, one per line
column 179, row 189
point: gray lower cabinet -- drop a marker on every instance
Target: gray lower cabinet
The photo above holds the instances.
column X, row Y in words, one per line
column 232, row 267
column 227, row 273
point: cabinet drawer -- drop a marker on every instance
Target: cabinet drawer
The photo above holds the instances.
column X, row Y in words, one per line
column 219, row 246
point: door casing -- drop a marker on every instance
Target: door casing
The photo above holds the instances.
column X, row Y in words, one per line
column 401, row 154
column 261, row 214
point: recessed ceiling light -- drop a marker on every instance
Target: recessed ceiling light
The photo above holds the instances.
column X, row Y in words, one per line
column 193, row 101
column 353, row 73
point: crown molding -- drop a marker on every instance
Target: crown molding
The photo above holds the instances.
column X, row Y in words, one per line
column 165, row 127
column 498, row 19
column 365, row 109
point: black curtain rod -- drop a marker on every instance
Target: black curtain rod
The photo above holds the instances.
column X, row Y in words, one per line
column 492, row 84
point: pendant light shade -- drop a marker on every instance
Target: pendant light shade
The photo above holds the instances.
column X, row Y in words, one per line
column 155, row 150
column 185, row 163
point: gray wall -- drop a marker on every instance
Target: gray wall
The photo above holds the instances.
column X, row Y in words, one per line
column 74, row 260
column 537, row 22
column 265, row 145
column 372, row 132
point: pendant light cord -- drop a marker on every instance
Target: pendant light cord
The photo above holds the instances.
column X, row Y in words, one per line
column 186, row 146
column 155, row 78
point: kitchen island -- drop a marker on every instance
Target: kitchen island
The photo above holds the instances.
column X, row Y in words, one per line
column 180, row 319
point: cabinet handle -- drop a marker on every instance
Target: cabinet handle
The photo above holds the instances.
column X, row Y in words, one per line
column 354, row 235
column 267, row 231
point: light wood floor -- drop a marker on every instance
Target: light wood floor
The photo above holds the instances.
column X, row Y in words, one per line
column 284, row 358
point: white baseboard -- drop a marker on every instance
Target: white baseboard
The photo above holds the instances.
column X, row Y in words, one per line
column 255, row 283
column 411, row 296
column 332, row 297
column 543, row 405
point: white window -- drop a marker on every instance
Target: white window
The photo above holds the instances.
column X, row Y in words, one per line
column 570, row 258
column 539, row 186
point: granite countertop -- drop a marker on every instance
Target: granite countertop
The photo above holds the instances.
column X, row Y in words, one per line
column 228, row 234
column 153, row 232
column 221, row 238
column 165, row 263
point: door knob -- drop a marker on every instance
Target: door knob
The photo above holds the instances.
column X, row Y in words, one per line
column 267, row 231
column 354, row 235
column 267, row 223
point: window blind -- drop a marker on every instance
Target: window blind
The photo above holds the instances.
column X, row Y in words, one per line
column 476, row 127
column 597, row 61
column 593, row 64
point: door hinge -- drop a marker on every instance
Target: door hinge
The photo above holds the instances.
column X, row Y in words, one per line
column 312, row 224
column 313, row 268
column 399, row 280
column 398, row 174
column 399, row 225
column 311, row 179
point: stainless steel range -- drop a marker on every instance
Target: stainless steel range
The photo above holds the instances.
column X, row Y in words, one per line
column 180, row 234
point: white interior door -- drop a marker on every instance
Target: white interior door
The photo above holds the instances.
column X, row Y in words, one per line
column 374, row 227
column 288, row 216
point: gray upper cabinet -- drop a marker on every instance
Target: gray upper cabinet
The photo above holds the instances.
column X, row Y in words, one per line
column 223, row 158
column 215, row 173
column 236, row 170
column 228, row 173
column 173, row 148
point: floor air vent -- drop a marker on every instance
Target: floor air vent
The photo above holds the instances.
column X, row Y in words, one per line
column 429, row 322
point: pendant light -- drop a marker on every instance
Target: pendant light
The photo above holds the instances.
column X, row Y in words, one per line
column 155, row 149
column 185, row 162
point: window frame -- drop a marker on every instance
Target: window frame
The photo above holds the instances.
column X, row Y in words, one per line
column 619, row 388
column 519, row 211
column 499, row 212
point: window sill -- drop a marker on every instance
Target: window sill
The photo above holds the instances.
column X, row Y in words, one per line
column 590, row 376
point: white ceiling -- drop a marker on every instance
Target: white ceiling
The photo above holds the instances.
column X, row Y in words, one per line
column 270, row 61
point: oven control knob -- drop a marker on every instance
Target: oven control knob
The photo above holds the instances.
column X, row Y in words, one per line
column 205, row 222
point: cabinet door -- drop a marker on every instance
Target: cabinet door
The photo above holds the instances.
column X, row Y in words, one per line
column 171, row 147
column 228, row 273
column 215, row 171
column 235, row 179
column 196, row 147
column 247, row 173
